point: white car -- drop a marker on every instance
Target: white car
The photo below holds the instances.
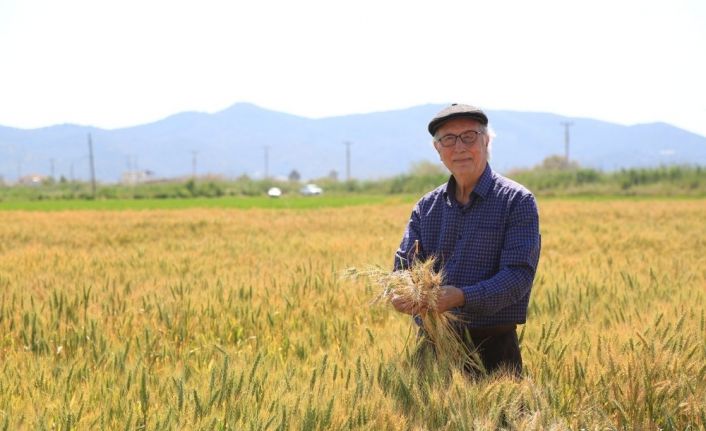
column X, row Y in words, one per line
column 274, row 192
column 311, row 190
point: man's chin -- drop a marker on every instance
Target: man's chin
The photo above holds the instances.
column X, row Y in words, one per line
column 464, row 170
column 465, row 166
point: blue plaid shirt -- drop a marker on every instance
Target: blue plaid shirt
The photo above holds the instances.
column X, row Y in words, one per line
column 488, row 248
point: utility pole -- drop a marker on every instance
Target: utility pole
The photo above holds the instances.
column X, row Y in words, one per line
column 51, row 163
column 128, row 176
column 93, row 168
column 566, row 125
column 193, row 164
column 267, row 161
column 348, row 160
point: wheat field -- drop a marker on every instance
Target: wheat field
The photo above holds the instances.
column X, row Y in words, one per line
column 220, row 319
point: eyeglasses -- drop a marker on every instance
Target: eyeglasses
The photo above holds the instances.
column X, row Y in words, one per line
column 469, row 137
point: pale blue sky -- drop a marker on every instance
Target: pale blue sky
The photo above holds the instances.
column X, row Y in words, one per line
column 120, row 63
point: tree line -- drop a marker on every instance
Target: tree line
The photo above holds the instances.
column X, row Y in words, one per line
column 553, row 177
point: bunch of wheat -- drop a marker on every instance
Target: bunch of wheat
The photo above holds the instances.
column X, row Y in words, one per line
column 421, row 285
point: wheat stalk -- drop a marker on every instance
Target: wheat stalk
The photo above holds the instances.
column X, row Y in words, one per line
column 421, row 285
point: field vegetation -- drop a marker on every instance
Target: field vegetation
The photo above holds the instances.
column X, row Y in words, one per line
column 551, row 178
column 230, row 202
column 239, row 319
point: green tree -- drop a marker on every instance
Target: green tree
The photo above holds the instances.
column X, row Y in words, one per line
column 295, row 176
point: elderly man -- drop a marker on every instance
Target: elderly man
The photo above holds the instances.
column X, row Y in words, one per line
column 484, row 231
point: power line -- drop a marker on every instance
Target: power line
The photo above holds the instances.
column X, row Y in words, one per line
column 93, row 168
column 566, row 125
column 193, row 164
column 267, row 161
column 348, row 160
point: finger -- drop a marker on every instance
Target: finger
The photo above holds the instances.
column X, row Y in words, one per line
column 400, row 304
column 403, row 305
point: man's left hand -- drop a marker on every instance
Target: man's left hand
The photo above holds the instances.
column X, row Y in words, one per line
column 450, row 297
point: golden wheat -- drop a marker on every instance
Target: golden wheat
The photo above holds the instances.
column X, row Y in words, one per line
column 238, row 319
column 420, row 285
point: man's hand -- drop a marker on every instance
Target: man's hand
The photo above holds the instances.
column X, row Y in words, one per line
column 404, row 306
column 449, row 298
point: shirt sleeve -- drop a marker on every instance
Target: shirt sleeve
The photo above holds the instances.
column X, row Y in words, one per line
column 406, row 252
column 518, row 264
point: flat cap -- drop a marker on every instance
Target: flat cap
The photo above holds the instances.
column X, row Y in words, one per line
column 456, row 110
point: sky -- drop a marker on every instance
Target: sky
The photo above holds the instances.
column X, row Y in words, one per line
column 115, row 64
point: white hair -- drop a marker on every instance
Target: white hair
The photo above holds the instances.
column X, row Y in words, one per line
column 491, row 136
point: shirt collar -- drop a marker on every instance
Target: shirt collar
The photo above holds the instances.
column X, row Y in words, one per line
column 483, row 186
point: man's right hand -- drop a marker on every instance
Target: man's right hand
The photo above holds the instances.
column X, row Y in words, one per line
column 404, row 305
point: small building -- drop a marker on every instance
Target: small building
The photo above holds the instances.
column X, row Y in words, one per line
column 32, row 180
column 137, row 177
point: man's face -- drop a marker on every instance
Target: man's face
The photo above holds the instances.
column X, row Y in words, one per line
column 465, row 161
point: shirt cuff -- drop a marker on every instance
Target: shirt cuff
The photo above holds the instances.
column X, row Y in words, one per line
column 473, row 297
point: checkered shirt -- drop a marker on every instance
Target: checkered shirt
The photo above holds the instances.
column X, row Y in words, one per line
column 488, row 248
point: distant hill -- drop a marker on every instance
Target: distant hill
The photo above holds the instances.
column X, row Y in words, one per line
column 231, row 142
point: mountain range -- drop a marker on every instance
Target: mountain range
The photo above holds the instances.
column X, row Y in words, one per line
column 242, row 139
